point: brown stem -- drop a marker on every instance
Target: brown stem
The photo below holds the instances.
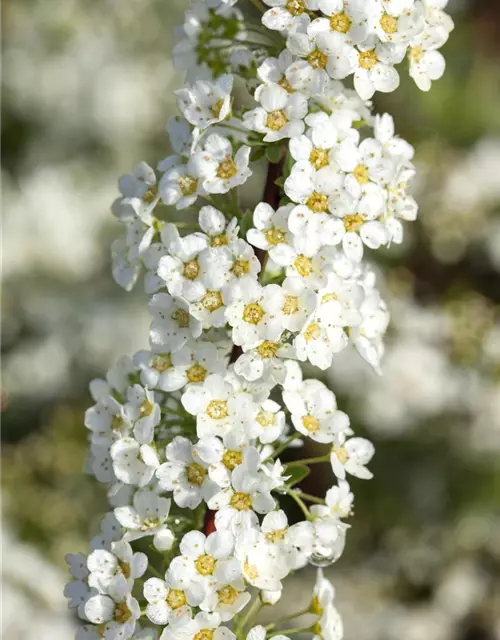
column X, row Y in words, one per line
column 271, row 196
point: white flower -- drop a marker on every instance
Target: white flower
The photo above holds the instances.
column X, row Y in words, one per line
column 202, row 625
column 221, row 168
column 314, row 411
column 299, row 303
column 329, row 626
column 398, row 22
column 254, row 312
column 271, row 227
column 138, row 191
column 339, row 499
column 213, row 223
column 147, row 517
column 185, row 474
column 116, row 614
column 281, row 114
column 106, row 566
column 143, row 412
column 426, row 63
column 289, row 540
column 107, row 420
column 375, row 71
column 314, row 188
column 172, row 324
column 269, row 423
column 170, row 600
column 284, row 13
column 205, row 103
column 191, row 365
column 180, row 185
column 259, row 633
column 273, row 70
column 218, row 407
column 351, row 455
column 133, row 463
column 125, row 270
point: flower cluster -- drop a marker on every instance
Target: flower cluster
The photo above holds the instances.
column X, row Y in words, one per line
column 187, row 435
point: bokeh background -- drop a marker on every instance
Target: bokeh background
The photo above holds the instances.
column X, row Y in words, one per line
column 86, row 93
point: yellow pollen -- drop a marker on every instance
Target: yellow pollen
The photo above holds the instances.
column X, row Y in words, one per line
column 318, row 158
column 296, row 7
column 150, row 195
column 240, row 268
column 266, row 418
column 195, row 473
column 125, row 568
column 268, row 349
column 117, row 423
column 146, row 408
column 227, row 595
column 368, row 59
column 284, row 83
column 316, row 607
column 176, row 598
column 274, row 235
column 317, row 202
column 191, row 270
column 416, row 54
column 162, row 362
column 122, row 613
column 181, row 317
column 250, row 570
column 304, row 265
column 219, row 241
column 149, row 523
column 340, row 22
column 217, row 409
column 353, row 222
column 276, row 536
column 188, row 185
column 341, row 453
column 312, row 332
column 310, row 423
column 389, row 23
column 227, row 168
column 232, row 459
column 329, row 297
column 253, row 313
column 205, row 565
column 212, row 301
column 317, row 59
column 361, row 173
column 241, row 501
column 276, row 120
column 291, row 305
column 216, row 108
column 204, row 634
column 196, row 373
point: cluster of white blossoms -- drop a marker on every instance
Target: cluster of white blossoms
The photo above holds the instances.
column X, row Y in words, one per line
column 187, row 435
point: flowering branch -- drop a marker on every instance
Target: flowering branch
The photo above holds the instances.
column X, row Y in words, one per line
column 188, row 434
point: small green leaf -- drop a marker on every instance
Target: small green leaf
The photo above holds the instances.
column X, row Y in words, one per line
column 297, row 474
column 257, row 153
column 274, row 153
column 280, row 182
column 246, row 223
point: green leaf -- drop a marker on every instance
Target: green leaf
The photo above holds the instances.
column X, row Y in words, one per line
column 297, row 474
column 246, row 223
column 274, row 153
column 257, row 153
column 280, row 182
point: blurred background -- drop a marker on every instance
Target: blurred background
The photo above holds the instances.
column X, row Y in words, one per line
column 86, row 93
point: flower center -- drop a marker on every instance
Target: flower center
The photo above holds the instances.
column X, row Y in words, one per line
column 340, row 22
column 219, row 241
column 312, row 332
column 274, row 236
column 318, row 158
column 341, row 453
column 204, row 634
column 117, row 423
column 124, row 568
column 146, row 408
column 232, row 459
column 241, row 501
column 304, row 265
column 122, row 613
column 250, row 570
column 276, row 536
column 268, row 349
column 162, row 362
column 253, row 313
column 317, row 59
column 195, row 474
column 240, row 268
column 227, row 595
column 217, row 409
column 316, row 607
column 296, row 7
column 361, row 173
column 291, row 305
column 317, row 202
column 212, row 301
column 191, row 270
column 175, row 598
column 329, row 297
column 416, row 54
column 188, row 185
column 266, row 418
column 389, row 23
column 205, row 565
column 368, row 59
column 353, row 222
column 150, row 523
column 284, row 83
column 227, row 168
column 276, row 120
column 217, row 107
column 181, row 317
column 310, row 423
column 150, row 195
column 196, row 373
